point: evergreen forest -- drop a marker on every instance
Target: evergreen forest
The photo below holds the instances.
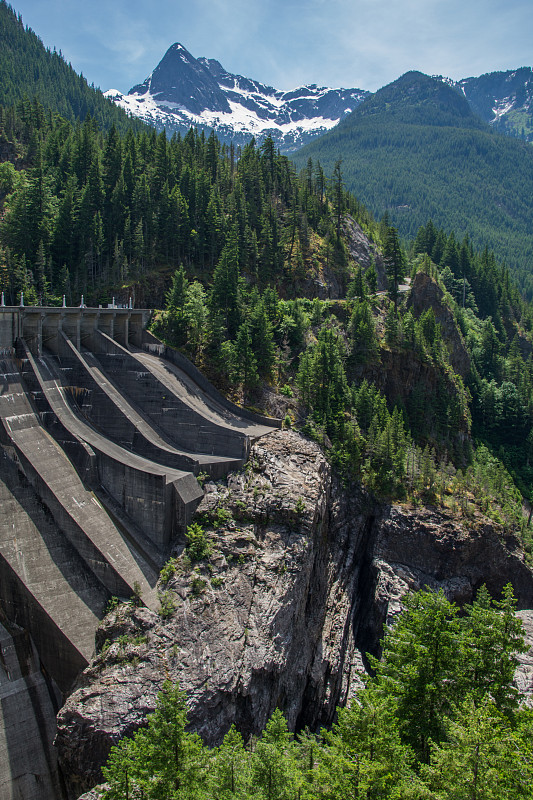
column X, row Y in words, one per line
column 30, row 70
column 416, row 150
column 242, row 254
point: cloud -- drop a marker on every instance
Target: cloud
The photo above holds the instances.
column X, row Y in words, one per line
column 363, row 43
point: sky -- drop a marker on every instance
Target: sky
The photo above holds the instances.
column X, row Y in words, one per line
column 286, row 43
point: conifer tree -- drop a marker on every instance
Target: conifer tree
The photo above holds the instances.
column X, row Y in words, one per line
column 225, row 297
column 394, row 261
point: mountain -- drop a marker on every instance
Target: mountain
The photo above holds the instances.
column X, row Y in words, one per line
column 416, row 150
column 29, row 70
column 184, row 91
column 504, row 99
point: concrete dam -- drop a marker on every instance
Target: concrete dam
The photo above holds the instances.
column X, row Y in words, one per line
column 103, row 430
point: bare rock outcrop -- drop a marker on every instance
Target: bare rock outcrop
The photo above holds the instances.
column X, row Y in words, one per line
column 424, row 294
column 266, row 621
column 363, row 250
column 524, row 672
column 303, row 573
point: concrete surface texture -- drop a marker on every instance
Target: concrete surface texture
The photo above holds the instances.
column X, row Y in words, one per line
column 109, row 411
column 28, row 704
column 100, row 445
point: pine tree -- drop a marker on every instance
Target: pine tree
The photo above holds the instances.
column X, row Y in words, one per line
column 274, row 761
column 163, row 761
column 245, row 362
column 229, row 774
column 394, row 261
column 338, row 197
column 195, row 314
column 363, row 342
column 371, row 277
column 426, row 637
column 225, row 297
column 175, row 297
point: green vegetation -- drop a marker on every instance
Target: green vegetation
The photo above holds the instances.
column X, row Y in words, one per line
column 198, row 545
column 496, row 325
column 167, row 604
column 30, row 70
column 168, row 570
column 239, row 244
column 415, row 150
column 94, row 213
column 431, row 439
column 198, row 585
column 438, row 719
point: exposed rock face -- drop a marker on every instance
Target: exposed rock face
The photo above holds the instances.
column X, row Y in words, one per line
column 524, row 672
column 429, row 548
column 363, row 251
column 276, row 631
column 425, row 293
column 298, row 585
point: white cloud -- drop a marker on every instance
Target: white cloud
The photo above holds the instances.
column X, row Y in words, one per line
column 363, row 43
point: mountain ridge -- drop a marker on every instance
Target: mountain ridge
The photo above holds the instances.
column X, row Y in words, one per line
column 416, row 150
column 184, row 91
column 30, row 70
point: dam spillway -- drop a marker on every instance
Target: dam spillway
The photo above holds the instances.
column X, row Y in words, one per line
column 103, row 430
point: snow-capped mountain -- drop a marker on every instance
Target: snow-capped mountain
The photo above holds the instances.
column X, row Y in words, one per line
column 503, row 99
column 184, row 91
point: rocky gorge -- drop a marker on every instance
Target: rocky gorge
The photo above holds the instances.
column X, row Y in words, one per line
column 302, row 571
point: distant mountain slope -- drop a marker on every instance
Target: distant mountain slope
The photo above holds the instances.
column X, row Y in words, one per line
column 504, row 99
column 28, row 69
column 184, row 91
column 416, row 150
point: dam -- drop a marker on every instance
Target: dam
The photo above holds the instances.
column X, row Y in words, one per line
column 103, row 432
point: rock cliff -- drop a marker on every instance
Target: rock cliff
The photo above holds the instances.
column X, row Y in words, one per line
column 302, row 575
column 426, row 293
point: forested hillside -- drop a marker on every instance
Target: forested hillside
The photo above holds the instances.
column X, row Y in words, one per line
column 86, row 212
column 417, row 151
column 29, row 70
column 247, row 250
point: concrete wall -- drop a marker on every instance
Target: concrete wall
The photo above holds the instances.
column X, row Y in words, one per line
column 144, row 497
column 28, row 705
column 61, row 555
column 76, row 534
column 187, row 428
column 76, row 511
column 110, row 413
column 141, row 488
column 39, row 325
column 9, row 328
column 59, row 655
column 153, row 345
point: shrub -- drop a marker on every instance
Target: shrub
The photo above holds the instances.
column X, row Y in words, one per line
column 198, row 545
column 167, row 604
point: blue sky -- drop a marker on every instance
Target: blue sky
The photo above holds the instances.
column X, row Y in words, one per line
column 349, row 43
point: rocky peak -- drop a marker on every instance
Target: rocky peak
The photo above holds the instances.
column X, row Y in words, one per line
column 496, row 94
column 184, row 91
column 181, row 79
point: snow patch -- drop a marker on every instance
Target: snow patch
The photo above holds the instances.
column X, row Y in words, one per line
column 502, row 107
column 254, row 109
